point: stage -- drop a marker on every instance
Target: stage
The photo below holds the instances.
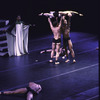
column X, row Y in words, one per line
column 66, row 81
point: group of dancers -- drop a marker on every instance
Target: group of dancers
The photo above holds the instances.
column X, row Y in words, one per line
column 58, row 28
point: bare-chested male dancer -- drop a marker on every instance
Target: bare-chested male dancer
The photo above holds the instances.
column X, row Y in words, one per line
column 55, row 27
column 67, row 43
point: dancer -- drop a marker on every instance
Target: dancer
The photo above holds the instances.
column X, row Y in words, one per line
column 69, row 12
column 30, row 91
column 67, row 43
column 52, row 14
column 17, row 38
column 61, row 51
column 55, row 27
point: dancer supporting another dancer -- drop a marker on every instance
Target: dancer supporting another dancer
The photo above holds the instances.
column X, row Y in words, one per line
column 67, row 43
column 30, row 91
column 55, row 27
column 65, row 29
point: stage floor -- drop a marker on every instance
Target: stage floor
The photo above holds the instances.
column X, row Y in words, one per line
column 66, row 81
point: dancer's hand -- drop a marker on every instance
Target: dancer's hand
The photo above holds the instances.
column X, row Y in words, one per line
column 63, row 17
column 41, row 14
column 69, row 14
column 80, row 14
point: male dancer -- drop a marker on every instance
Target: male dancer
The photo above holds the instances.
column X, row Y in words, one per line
column 55, row 27
column 31, row 90
column 67, row 43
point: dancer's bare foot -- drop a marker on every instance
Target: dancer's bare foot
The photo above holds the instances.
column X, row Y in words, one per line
column 67, row 60
column 64, row 57
column 50, row 61
column 0, row 92
column 56, row 63
column 74, row 61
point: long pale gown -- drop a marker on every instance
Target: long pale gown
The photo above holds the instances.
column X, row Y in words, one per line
column 18, row 40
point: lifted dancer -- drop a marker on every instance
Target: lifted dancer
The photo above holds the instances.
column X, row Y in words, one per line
column 32, row 89
column 55, row 27
column 67, row 43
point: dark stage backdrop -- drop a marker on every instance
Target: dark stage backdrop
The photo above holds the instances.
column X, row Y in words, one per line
column 29, row 10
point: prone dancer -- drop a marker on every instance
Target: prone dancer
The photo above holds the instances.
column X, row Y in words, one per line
column 30, row 91
column 67, row 43
column 55, row 27
column 61, row 52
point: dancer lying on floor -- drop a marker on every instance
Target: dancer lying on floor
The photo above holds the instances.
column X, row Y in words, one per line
column 61, row 52
column 32, row 89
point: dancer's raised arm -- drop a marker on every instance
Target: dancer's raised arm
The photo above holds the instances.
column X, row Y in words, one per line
column 50, row 23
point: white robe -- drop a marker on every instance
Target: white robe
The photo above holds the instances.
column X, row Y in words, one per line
column 18, row 40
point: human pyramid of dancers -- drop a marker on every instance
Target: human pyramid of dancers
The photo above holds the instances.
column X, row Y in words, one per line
column 58, row 28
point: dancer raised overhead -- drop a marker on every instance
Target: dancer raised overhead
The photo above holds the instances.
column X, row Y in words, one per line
column 69, row 12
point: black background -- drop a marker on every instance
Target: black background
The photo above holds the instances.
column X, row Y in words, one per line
column 29, row 10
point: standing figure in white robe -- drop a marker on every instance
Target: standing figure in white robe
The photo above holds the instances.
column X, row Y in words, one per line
column 17, row 39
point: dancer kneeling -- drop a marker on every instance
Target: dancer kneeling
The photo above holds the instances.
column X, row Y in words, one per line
column 32, row 89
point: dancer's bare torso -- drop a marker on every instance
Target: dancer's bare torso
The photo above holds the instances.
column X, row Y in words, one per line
column 65, row 30
column 56, row 32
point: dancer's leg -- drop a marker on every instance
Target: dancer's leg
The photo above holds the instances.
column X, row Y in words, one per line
column 71, row 50
column 17, row 91
column 57, row 52
column 52, row 52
